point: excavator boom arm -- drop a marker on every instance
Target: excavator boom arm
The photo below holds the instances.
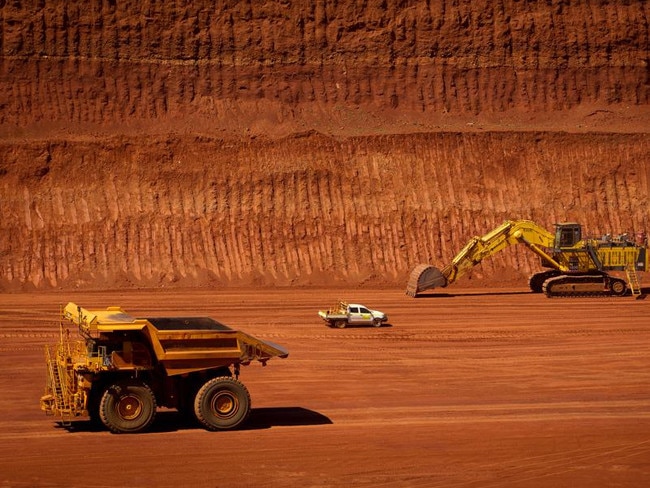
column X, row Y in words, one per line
column 478, row 248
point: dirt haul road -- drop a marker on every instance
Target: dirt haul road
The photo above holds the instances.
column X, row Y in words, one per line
column 466, row 388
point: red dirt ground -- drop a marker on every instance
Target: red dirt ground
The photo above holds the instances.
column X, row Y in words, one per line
column 289, row 153
column 466, row 388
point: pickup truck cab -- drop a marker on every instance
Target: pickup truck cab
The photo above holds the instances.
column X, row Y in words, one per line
column 344, row 314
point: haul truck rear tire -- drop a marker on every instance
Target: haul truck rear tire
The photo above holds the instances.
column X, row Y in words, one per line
column 222, row 403
column 127, row 407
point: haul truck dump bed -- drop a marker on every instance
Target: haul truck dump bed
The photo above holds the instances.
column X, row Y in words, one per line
column 120, row 368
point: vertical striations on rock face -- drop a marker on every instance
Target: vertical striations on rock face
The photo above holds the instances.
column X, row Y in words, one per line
column 301, row 210
column 279, row 65
column 148, row 143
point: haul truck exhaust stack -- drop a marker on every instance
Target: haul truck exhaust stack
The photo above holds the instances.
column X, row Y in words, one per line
column 119, row 369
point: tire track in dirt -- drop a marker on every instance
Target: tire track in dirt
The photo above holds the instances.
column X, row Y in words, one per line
column 444, row 414
column 533, row 393
column 528, row 469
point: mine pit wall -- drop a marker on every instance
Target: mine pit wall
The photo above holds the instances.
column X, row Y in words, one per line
column 277, row 67
column 180, row 143
column 306, row 210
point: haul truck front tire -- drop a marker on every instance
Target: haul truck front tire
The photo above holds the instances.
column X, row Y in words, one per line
column 127, row 407
column 222, row 403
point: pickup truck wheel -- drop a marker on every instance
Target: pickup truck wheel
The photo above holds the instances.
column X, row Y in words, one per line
column 222, row 403
column 340, row 324
column 127, row 407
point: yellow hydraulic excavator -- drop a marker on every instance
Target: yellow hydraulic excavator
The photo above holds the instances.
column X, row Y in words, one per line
column 577, row 266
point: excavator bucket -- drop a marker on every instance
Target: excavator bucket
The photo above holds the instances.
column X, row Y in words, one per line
column 424, row 277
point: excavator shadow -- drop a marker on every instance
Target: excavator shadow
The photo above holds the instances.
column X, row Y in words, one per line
column 473, row 294
column 645, row 291
column 260, row 418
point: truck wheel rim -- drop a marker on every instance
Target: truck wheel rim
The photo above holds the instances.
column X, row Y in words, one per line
column 224, row 404
column 129, row 407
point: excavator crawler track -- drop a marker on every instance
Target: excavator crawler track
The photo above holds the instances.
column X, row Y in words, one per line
column 592, row 285
column 536, row 281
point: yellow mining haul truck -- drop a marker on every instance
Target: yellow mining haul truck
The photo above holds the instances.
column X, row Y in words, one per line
column 117, row 369
column 575, row 266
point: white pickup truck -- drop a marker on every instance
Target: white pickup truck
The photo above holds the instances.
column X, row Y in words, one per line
column 344, row 314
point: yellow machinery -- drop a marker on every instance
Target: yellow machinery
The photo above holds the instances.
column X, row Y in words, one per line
column 119, row 369
column 577, row 266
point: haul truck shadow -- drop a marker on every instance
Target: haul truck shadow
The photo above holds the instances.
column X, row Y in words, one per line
column 260, row 418
column 265, row 418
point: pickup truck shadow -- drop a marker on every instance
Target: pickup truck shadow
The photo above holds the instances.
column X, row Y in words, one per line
column 365, row 326
column 260, row 418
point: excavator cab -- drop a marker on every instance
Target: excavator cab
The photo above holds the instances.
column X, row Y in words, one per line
column 567, row 234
